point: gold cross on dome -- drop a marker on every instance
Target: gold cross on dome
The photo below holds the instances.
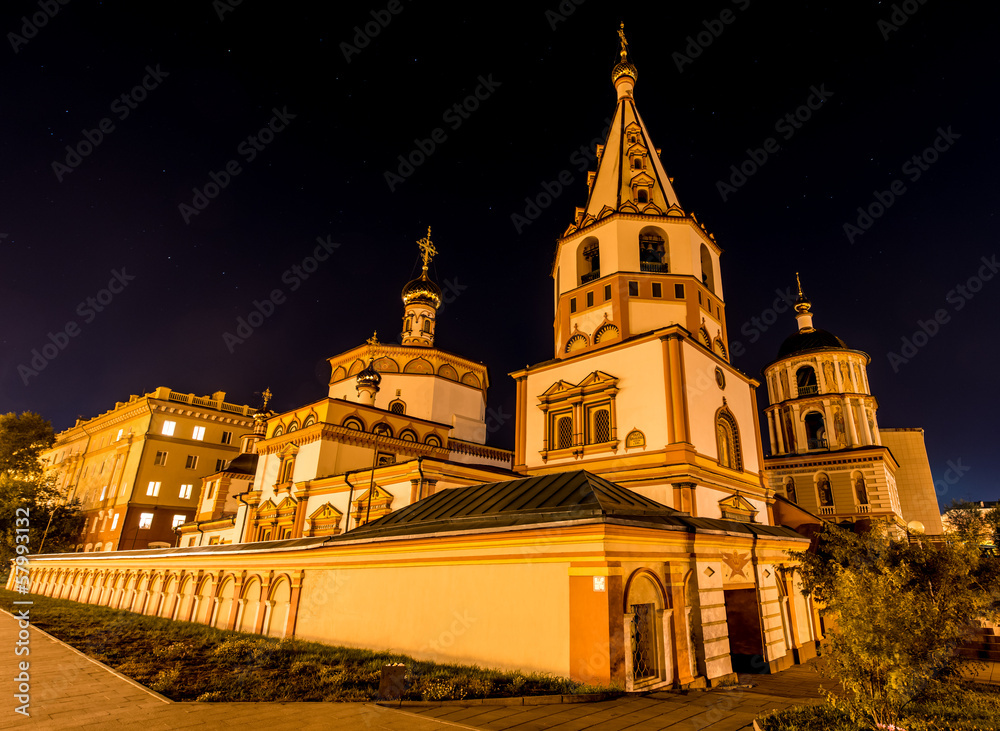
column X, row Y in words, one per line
column 621, row 35
column 373, row 340
column 267, row 397
column 427, row 250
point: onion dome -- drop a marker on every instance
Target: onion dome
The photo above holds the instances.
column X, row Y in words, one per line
column 422, row 291
column 369, row 376
column 811, row 340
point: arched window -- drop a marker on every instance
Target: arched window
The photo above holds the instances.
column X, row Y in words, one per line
column 707, row 270
column 432, row 440
column 310, row 420
column 564, row 432
column 397, row 407
column 790, row 489
column 294, row 426
column 815, row 430
column 727, row 437
column 600, row 430
column 706, row 339
column 287, row 468
column 720, row 348
column 408, row 435
column 652, row 253
column 353, row 423
column 589, row 260
column 278, row 431
column 805, row 379
column 860, row 489
column 382, row 429
column 823, row 490
column 426, row 326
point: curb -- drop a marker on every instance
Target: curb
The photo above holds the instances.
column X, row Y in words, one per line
column 130, row 681
column 527, row 700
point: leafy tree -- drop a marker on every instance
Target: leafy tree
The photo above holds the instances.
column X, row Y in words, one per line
column 900, row 612
column 971, row 523
column 28, row 499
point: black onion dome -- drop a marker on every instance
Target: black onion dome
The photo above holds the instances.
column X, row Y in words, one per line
column 369, row 376
column 809, row 340
column 422, row 291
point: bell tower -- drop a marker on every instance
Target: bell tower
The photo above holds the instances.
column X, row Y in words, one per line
column 633, row 260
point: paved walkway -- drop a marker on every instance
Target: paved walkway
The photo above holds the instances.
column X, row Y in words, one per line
column 68, row 690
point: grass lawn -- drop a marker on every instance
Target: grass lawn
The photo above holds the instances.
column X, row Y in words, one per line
column 186, row 661
column 959, row 706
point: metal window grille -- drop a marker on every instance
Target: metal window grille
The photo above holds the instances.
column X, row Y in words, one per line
column 642, row 641
column 602, row 426
column 564, row 426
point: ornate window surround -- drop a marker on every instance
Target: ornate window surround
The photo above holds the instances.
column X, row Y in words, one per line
column 580, row 402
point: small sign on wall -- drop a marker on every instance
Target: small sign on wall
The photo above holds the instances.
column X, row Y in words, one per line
column 600, row 583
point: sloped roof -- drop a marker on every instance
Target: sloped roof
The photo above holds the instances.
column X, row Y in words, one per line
column 553, row 498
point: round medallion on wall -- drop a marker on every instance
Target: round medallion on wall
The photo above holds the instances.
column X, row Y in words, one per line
column 720, row 378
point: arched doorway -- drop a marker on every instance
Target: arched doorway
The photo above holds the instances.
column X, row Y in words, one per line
column 648, row 633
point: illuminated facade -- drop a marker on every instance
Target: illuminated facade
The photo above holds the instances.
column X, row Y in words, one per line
column 137, row 468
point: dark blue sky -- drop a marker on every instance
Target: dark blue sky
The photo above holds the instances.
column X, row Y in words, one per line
column 120, row 217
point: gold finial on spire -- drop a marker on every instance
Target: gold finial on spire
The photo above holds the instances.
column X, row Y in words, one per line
column 427, row 250
column 799, row 282
column 621, row 35
column 267, row 398
column 373, row 340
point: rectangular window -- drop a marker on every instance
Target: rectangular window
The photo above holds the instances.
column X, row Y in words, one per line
column 153, row 490
column 192, row 462
column 190, row 541
column 161, row 459
column 227, row 437
column 186, row 492
column 633, row 289
column 679, row 291
column 94, row 526
column 199, row 433
column 120, row 432
column 168, row 428
column 657, row 289
column 220, row 464
column 104, row 491
column 211, row 490
column 572, row 304
column 699, row 298
column 214, row 541
column 178, row 519
column 114, row 523
column 145, row 521
column 607, row 292
column 590, row 299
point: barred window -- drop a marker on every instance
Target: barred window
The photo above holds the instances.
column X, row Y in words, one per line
column 564, row 427
column 602, row 426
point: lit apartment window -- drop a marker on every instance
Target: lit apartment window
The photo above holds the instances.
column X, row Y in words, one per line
column 145, row 521
column 153, row 490
column 114, row 523
column 168, row 428
column 192, row 462
column 227, row 437
column 186, row 492
column 199, row 433
column 178, row 519
column 161, row 459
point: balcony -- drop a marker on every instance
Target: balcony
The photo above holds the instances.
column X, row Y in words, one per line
column 657, row 267
column 590, row 276
column 827, row 510
column 817, row 443
column 808, row 390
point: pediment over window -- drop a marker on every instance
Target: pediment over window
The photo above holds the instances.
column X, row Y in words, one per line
column 738, row 508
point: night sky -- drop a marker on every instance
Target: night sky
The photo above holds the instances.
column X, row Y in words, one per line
column 111, row 253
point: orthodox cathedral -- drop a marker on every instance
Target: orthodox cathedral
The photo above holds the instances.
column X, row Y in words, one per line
column 637, row 534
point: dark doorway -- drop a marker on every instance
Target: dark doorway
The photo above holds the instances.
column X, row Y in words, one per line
column 745, row 642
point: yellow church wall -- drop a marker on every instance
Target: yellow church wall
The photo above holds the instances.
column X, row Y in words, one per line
column 651, row 315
